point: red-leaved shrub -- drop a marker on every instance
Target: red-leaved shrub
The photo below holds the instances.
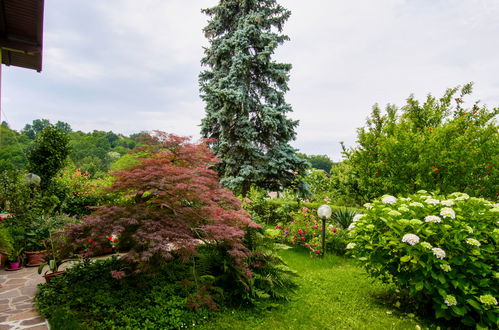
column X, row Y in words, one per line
column 171, row 202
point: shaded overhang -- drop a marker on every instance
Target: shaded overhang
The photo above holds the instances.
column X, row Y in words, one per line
column 21, row 33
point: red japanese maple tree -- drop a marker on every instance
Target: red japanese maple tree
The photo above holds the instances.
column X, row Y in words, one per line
column 171, row 202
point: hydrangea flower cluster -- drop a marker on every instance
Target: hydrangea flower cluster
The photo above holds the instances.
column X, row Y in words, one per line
column 410, row 239
column 426, row 245
column 394, row 213
column 447, row 212
column 447, row 202
column 473, row 241
column 439, row 253
column 368, row 206
column 433, row 218
column 450, row 300
column 350, row 246
column 387, row 199
column 416, row 204
column 432, row 201
column 357, row 217
column 488, row 300
column 446, row 267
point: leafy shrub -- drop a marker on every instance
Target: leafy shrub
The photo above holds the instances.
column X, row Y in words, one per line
column 88, row 296
column 48, row 154
column 306, row 230
column 79, row 192
column 268, row 211
column 441, row 250
column 439, row 145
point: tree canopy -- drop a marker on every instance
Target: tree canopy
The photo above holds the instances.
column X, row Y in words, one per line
column 243, row 89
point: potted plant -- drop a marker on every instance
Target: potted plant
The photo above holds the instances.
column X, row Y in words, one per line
column 56, row 254
column 36, row 250
column 14, row 259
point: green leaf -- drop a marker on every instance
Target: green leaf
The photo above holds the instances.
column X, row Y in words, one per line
column 475, row 304
column 405, row 258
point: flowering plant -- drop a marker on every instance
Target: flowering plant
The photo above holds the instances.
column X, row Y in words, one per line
column 441, row 250
column 306, row 229
column 113, row 240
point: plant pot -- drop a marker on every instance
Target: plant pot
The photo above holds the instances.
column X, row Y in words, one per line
column 3, row 260
column 35, row 258
column 13, row 265
column 49, row 276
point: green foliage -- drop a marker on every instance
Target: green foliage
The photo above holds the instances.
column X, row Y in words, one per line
column 12, row 149
column 48, row 155
column 441, row 250
column 343, row 217
column 243, row 89
column 436, row 145
column 319, row 162
column 94, row 299
column 79, row 192
column 268, row 211
column 6, row 245
column 305, row 229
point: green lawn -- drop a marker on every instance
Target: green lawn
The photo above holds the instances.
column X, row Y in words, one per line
column 333, row 293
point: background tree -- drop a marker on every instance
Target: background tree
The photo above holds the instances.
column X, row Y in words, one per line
column 48, row 154
column 12, row 149
column 243, row 89
column 437, row 145
column 37, row 126
column 320, row 162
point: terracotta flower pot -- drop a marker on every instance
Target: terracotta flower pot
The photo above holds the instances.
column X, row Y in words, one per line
column 49, row 276
column 35, row 258
column 3, row 259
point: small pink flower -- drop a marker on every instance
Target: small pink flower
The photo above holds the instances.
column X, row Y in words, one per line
column 315, row 244
column 277, row 227
column 335, row 230
column 303, row 239
column 317, row 251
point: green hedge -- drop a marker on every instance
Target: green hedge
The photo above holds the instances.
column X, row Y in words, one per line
column 273, row 211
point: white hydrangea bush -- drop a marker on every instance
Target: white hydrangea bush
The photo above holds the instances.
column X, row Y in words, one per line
column 441, row 250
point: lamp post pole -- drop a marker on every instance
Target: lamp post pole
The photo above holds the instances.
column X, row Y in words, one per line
column 324, row 212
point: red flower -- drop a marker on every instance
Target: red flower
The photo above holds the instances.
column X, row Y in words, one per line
column 335, row 230
column 317, row 251
column 110, row 238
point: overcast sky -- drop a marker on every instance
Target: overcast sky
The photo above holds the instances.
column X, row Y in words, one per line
column 130, row 65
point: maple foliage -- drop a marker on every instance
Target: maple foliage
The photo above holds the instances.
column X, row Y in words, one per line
column 171, row 201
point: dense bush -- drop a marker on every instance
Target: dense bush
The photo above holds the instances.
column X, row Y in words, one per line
column 441, row 250
column 269, row 211
column 48, row 154
column 305, row 229
column 104, row 294
column 78, row 192
column 437, row 145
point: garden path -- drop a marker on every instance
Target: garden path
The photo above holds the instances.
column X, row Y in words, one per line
column 17, row 291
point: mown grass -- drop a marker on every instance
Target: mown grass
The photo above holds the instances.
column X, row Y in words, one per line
column 333, row 293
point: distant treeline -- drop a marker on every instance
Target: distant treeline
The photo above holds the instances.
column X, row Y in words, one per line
column 92, row 152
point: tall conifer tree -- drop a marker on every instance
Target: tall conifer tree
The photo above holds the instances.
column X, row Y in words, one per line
column 243, row 89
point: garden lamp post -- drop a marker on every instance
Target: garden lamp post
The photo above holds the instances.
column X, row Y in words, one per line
column 324, row 212
column 32, row 179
